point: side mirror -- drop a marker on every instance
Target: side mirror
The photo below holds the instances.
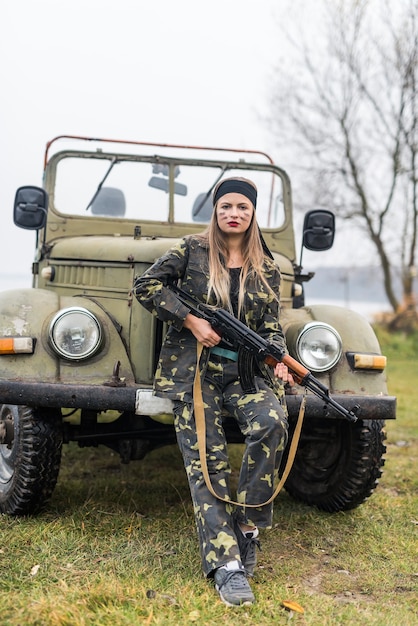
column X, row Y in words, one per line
column 30, row 208
column 318, row 230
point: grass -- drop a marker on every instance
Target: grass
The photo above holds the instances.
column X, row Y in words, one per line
column 117, row 544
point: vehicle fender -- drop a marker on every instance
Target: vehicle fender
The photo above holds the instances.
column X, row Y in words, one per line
column 357, row 336
column 28, row 313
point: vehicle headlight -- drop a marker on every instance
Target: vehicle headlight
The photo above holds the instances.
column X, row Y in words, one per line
column 75, row 333
column 318, row 346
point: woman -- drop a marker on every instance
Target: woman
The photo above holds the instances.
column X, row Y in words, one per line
column 228, row 266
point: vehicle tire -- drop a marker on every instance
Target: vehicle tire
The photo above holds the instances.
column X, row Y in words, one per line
column 29, row 466
column 337, row 464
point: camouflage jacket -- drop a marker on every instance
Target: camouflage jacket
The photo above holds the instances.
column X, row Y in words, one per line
column 188, row 261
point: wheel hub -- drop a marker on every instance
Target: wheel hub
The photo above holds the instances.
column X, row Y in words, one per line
column 7, row 432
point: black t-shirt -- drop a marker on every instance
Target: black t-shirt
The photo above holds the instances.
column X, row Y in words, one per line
column 234, row 273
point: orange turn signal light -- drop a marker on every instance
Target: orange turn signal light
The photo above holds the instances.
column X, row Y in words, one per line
column 16, row 345
column 367, row 361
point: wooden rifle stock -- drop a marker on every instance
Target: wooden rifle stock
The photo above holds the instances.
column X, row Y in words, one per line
column 297, row 370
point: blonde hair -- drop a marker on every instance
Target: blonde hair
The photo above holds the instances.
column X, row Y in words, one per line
column 252, row 252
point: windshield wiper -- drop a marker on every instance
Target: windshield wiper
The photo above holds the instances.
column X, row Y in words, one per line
column 203, row 201
column 96, row 193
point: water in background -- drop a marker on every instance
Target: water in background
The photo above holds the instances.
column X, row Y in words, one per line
column 368, row 309
column 15, row 281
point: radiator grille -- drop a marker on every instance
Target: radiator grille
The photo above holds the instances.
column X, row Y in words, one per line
column 96, row 277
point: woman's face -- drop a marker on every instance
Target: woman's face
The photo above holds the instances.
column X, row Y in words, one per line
column 234, row 212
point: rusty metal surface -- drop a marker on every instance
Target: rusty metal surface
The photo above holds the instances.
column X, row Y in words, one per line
column 372, row 407
column 95, row 397
column 101, row 397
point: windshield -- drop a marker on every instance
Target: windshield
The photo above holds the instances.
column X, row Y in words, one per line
column 156, row 189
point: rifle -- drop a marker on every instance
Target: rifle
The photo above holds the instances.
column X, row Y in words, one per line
column 251, row 345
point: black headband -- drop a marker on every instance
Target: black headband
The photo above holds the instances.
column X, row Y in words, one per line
column 236, row 186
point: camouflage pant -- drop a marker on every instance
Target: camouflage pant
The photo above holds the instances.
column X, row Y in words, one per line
column 263, row 423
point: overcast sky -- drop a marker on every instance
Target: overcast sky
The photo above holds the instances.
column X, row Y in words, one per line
column 172, row 71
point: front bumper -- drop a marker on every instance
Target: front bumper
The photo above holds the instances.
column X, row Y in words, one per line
column 140, row 400
column 371, row 407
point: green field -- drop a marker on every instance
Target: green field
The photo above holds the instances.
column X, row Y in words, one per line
column 117, row 543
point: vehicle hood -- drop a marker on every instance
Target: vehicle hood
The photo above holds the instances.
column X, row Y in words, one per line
column 111, row 249
column 120, row 249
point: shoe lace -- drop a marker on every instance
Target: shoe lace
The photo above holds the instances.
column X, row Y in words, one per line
column 236, row 581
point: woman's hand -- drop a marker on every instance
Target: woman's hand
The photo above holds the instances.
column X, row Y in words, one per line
column 283, row 373
column 202, row 330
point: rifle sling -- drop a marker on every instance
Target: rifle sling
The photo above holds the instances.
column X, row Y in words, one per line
column 199, row 413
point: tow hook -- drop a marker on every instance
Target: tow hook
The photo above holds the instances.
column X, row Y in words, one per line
column 7, row 433
column 116, row 381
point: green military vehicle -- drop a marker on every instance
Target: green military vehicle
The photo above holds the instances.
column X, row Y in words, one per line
column 78, row 352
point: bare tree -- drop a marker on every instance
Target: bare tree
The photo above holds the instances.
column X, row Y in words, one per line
column 348, row 108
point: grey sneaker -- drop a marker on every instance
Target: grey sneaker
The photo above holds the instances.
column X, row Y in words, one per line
column 233, row 587
column 248, row 548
